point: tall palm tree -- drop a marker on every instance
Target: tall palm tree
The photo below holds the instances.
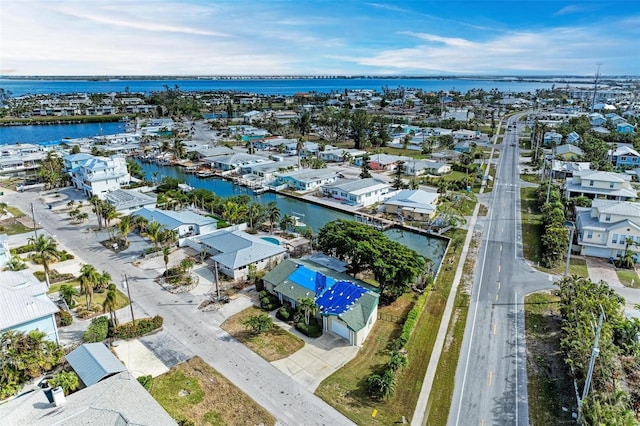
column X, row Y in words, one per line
column 153, row 231
column 309, row 307
column 273, row 212
column 88, row 279
column 97, row 208
column 111, row 302
column 287, row 222
column 125, row 226
column 165, row 256
column 231, row 211
column 46, row 249
column 299, row 148
column 255, row 212
column 103, row 280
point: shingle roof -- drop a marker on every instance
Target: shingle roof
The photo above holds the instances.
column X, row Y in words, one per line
column 118, row 400
column 23, row 298
column 93, row 362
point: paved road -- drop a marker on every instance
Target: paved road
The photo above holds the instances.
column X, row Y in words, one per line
column 198, row 333
column 490, row 384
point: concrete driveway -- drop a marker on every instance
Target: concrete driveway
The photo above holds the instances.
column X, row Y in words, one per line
column 601, row 270
column 317, row 359
column 139, row 360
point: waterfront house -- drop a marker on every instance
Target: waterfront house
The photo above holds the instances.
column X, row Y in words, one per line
column 284, row 145
column 416, row 204
column 624, row 156
column 358, row 192
column 307, row 179
column 603, row 229
column 339, row 155
column 599, row 184
column 348, row 307
column 97, row 175
column 207, row 154
column 25, row 306
column 266, row 172
column 234, row 251
column 127, row 201
column 184, row 222
column 234, row 162
column 568, row 152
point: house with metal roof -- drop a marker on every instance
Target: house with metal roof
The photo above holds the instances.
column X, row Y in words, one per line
column 573, row 138
column 25, row 306
column 568, row 152
column 383, row 161
column 117, row 400
column 234, row 250
column 565, row 169
column 127, row 201
column 552, row 138
column 339, row 155
column 94, row 362
column 624, row 128
column 410, row 204
column 599, row 184
column 605, row 228
column 185, row 222
column 358, row 192
column 307, row 179
column 234, row 162
column 624, row 156
column 421, row 167
column 348, row 307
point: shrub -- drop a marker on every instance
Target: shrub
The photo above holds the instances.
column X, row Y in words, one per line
column 67, row 380
column 97, row 330
column 23, row 249
column 269, row 302
column 145, row 381
column 258, row 323
column 284, row 313
column 65, row 318
column 314, row 329
column 143, row 326
column 382, row 386
column 397, row 361
column 410, row 322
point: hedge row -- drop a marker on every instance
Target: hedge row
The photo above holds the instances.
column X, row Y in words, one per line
column 143, row 326
column 412, row 319
column 97, row 330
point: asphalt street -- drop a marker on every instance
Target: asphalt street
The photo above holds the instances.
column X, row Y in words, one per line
column 196, row 333
column 490, row 383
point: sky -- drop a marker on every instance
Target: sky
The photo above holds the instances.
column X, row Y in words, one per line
column 319, row 37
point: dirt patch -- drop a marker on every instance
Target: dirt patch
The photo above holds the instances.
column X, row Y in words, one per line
column 195, row 391
column 550, row 384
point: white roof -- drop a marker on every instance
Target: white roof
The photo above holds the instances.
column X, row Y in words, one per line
column 23, row 298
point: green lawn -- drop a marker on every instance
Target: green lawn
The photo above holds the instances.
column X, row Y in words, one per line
column 194, row 391
column 14, row 228
column 98, row 298
column 628, row 277
column 16, row 212
column 346, row 390
column 530, row 178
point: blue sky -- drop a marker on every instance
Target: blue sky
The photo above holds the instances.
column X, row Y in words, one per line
column 347, row 37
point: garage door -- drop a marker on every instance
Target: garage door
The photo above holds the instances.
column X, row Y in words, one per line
column 339, row 328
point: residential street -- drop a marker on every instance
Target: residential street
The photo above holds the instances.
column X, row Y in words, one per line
column 198, row 333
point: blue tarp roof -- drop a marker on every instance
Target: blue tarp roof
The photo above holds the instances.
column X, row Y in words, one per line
column 311, row 280
column 339, row 298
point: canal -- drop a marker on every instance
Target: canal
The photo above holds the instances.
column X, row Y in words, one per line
column 312, row 215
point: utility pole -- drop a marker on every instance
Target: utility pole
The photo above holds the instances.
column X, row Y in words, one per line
column 215, row 267
column 33, row 217
column 125, row 283
column 594, row 354
column 573, row 228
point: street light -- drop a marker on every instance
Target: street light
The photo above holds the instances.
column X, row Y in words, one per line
column 572, row 227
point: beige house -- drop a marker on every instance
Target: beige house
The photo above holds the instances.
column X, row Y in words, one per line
column 599, row 184
column 415, row 205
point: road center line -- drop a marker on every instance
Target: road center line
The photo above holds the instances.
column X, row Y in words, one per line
column 490, row 377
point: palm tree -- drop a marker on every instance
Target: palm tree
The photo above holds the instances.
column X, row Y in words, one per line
column 274, row 214
column 153, row 232
column 254, row 213
column 111, row 302
column 88, row 279
column 165, row 256
column 104, row 280
column 186, row 265
column 287, row 222
column 15, row 264
column 299, row 148
column 125, row 226
column 3, row 208
column 309, row 307
column 67, row 292
column 97, row 208
column 46, row 249
column 231, row 211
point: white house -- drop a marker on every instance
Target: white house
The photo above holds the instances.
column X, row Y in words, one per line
column 234, row 250
column 186, row 223
column 359, row 192
column 348, row 307
column 97, row 175
column 307, row 179
column 5, row 253
column 236, row 161
column 339, row 155
column 127, row 201
column 420, row 167
column 598, row 184
column 25, row 306
column 603, row 229
column 412, row 204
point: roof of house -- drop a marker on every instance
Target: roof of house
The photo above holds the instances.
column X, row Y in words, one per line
column 358, row 186
column 603, row 176
column 239, row 158
column 127, row 198
column 570, row 166
column 93, row 362
column 77, row 157
column 413, row 198
column 237, row 248
column 310, row 175
column 118, row 400
column 569, row 149
column 623, row 150
column 23, row 298
column 336, row 293
column 386, row 159
column 623, row 208
column 173, row 219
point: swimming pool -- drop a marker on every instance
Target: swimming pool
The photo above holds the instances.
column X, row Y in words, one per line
column 271, row 240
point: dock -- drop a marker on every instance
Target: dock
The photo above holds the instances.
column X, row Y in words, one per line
column 375, row 222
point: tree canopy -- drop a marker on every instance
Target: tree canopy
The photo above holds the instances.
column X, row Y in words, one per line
column 394, row 266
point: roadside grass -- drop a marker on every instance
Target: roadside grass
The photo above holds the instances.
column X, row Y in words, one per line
column 531, row 224
column 530, row 178
column 13, row 227
column 272, row 345
column 194, row 391
column 549, row 385
column 16, row 212
column 346, row 389
column 577, row 266
column 628, row 277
